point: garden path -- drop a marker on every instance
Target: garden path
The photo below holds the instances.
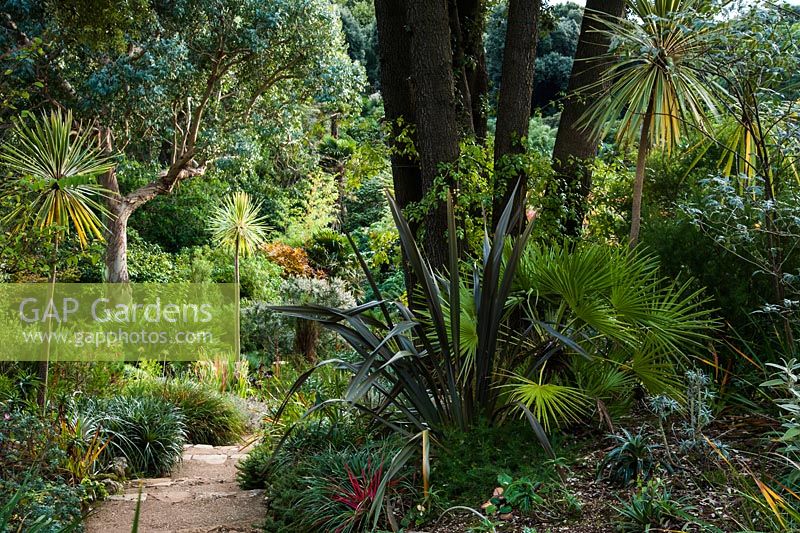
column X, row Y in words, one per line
column 201, row 496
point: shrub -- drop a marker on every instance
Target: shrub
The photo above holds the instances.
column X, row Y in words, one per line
column 314, row 291
column 306, row 458
column 629, row 461
column 294, row 261
column 210, row 416
column 148, row 263
column 35, row 495
column 343, row 487
column 330, row 252
column 266, row 332
column 260, row 277
column 651, row 508
column 466, row 464
column 149, row 432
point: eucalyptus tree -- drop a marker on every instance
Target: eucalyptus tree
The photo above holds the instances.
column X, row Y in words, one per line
column 193, row 82
column 658, row 81
column 53, row 184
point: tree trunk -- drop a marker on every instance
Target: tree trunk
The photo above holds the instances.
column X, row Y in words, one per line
column 576, row 147
column 437, row 125
column 514, row 104
column 398, row 105
column 116, row 258
column 462, row 89
column 471, row 16
column 638, row 184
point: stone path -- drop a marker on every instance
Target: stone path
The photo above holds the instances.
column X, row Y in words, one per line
column 201, row 496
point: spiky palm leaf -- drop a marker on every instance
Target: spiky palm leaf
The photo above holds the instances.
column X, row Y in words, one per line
column 656, row 65
column 237, row 225
column 53, row 176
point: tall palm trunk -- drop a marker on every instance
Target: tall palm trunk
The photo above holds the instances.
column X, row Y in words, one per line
column 238, row 296
column 44, row 366
column 641, row 167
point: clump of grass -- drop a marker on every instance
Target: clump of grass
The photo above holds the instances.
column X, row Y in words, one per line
column 211, row 417
column 148, row 431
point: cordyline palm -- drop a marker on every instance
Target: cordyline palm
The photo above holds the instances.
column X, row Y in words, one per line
column 53, row 182
column 236, row 225
column 656, row 81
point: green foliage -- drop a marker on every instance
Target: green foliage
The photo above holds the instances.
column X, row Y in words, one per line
column 542, row 135
column 210, row 417
column 466, row 464
column 314, row 455
column 631, row 460
column 147, row 431
column 559, row 28
column 260, row 277
column 651, row 508
column 746, row 223
column 265, row 333
column 149, row 263
column 344, row 487
column 103, row 24
column 784, row 383
column 519, row 494
column 181, row 219
column 34, row 494
column 329, row 251
column 607, row 315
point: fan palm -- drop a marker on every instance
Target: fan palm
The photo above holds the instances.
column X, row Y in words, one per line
column 53, row 184
column 656, row 81
column 236, row 225
column 606, row 316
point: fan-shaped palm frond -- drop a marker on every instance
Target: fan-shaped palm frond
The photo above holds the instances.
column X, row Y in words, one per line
column 615, row 321
column 54, row 171
column 552, row 404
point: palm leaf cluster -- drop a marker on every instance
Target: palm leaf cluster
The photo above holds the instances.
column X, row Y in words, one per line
column 607, row 323
column 657, row 67
column 54, row 165
column 237, row 225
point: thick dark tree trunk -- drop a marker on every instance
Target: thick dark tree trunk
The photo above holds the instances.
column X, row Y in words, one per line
column 471, row 16
column 437, row 125
column 514, row 105
column 576, row 147
column 398, row 105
